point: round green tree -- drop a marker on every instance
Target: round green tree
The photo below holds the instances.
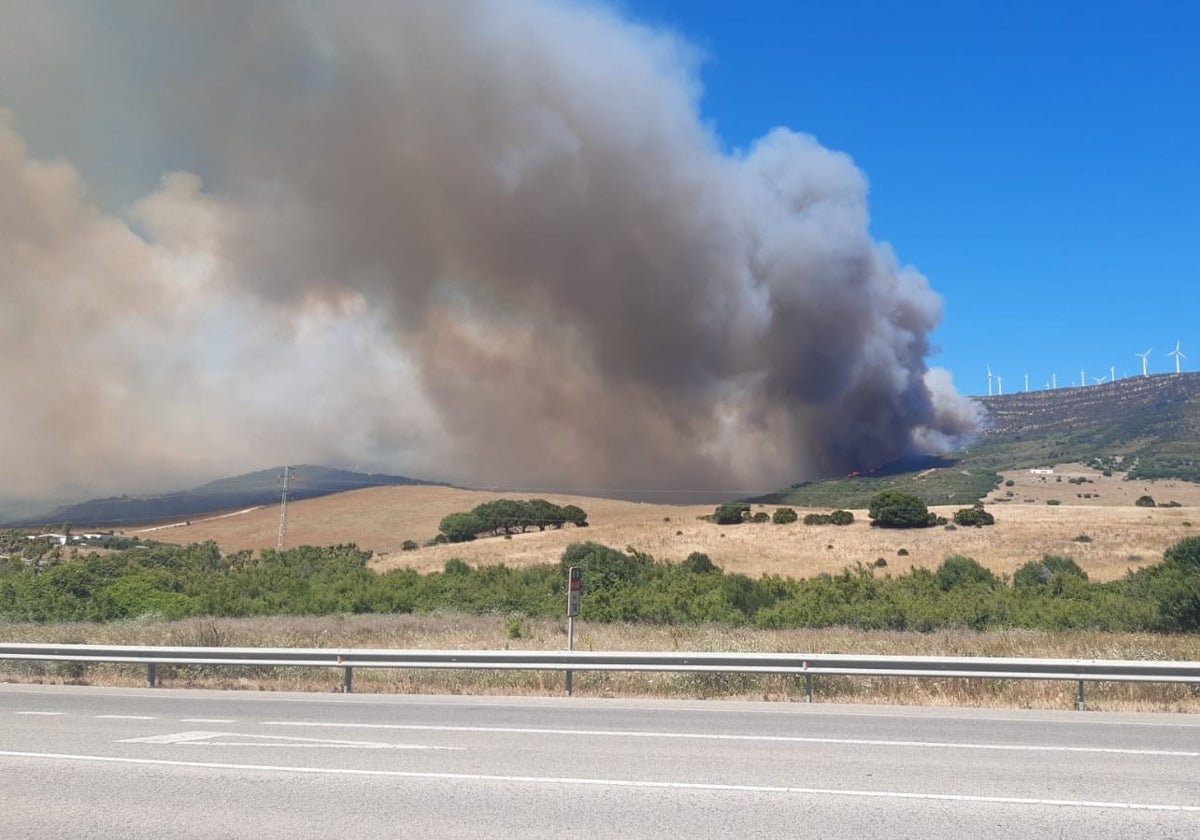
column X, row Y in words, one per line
column 894, row 509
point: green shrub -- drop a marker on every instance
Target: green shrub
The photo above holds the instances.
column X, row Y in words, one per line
column 409, row 545
column 1185, row 554
column 784, row 516
column 959, row 571
column 841, row 517
column 894, row 509
column 1145, row 501
column 1041, row 573
column 699, row 563
column 454, row 566
column 731, row 513
column 976, row 516
column 817, row 519
column 760, row 517
column 1053, row 502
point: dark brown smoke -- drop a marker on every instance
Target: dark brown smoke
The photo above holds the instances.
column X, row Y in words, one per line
column 491, row 242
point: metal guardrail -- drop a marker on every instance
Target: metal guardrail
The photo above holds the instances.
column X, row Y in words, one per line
column 807, row 665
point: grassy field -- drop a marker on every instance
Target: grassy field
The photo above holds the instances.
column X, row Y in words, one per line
column 497, row 632
column 1106, row 534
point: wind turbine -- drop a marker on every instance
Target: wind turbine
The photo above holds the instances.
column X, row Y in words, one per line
column 1145, row 366
column 1000, row 385
column 989, row 367
column 1082, row 378
column 1178, row 354
column 1112, row 373
column 1100, row 380
column 1054, row 381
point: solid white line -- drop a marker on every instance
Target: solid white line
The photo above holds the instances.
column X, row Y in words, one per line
column 778, row 739
column 126, row 717
column 43, row 714
column 623, row 783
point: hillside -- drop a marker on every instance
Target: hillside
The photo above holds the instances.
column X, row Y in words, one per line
column 243, row 491
column 1147, row 427
column 380, row 519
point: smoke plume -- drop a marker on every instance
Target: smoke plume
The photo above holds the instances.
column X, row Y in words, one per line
column 489, row 242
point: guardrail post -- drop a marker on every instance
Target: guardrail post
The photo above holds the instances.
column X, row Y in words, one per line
column 1080, row 703
column 348, row 680
column 808, row 688
column 151, row 674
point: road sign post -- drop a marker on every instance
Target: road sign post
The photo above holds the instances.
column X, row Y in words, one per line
column 574, row 590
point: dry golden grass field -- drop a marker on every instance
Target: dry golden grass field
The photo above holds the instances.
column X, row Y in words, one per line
column 1117, row 535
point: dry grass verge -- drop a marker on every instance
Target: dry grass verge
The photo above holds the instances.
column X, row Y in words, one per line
column 515, row 632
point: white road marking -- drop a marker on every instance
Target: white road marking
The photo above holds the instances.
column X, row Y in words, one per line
column 43, row 714
column 221, row 739
column 621, row 783
column 208, row 720
column 126, row 717
column 777, row 739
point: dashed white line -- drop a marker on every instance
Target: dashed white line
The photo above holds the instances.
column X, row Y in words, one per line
column 223, row 739
column 126, row 717
column 619, row 783
column 208, row 720
column 43, row 714
column 708, row 736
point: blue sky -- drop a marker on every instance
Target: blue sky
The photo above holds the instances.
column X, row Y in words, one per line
column 1038, row 162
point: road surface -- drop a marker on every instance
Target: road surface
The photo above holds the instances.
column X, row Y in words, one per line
column 81, row 762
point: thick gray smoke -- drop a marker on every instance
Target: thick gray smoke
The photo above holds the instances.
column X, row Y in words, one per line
column 487, row 241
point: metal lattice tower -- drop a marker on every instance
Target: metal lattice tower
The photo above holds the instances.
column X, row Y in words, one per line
column 287, row 474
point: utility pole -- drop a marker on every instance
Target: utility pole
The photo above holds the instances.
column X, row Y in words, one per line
column 285, row 478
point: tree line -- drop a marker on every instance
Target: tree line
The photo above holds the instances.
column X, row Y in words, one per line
column 509, row 516
column 171, row 582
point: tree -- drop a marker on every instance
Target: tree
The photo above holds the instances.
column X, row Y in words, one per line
column 731, row 513
column 461, row 527
column 894, row 509
column 575, row 515
column 1145, row 501
column 784, row 516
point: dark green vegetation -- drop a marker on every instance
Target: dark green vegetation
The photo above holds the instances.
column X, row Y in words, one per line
column 509, row 516
column 1146, row 427
column 838, row 517
column 175, row 582
column 893, row 509
column 249, row 490
column 974, row 515
column 731, row 513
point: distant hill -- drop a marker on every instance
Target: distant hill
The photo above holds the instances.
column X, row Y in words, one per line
column 252, row 489
column 1148, row 425
column 1145, row 426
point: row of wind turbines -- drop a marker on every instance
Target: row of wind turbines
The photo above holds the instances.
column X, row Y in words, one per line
column 998, row 381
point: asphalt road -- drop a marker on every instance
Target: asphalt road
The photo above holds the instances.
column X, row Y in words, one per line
column 160, row 763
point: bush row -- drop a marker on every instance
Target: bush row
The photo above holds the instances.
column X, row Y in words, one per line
column 172, row 582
